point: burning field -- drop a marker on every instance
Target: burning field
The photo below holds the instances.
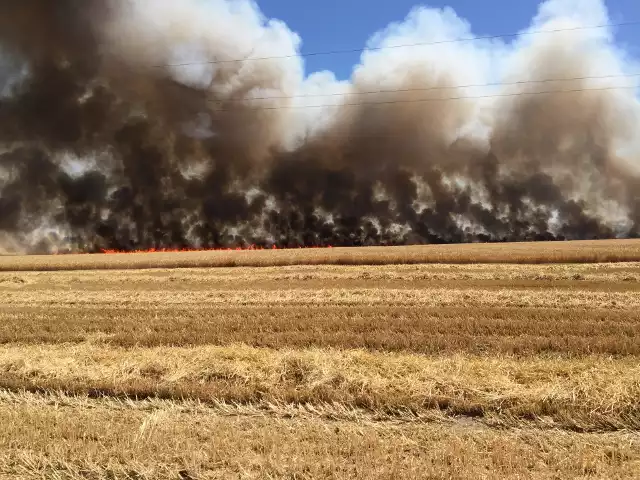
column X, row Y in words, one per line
column 323, row 363
column 177, row 195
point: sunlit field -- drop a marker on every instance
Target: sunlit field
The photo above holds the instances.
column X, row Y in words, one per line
column 467, row 361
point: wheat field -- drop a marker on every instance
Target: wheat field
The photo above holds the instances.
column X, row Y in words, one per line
column 588, row 251
column 471, row 361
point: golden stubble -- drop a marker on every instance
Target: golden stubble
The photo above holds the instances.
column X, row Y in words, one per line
column 591, row 393
column 386, row 365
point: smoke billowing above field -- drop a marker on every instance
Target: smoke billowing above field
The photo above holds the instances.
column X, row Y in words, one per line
column 154, row 123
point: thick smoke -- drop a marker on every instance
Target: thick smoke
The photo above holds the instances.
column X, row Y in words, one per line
column 161, row 124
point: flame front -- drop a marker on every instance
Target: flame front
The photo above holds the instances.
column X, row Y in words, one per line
column 192, row 250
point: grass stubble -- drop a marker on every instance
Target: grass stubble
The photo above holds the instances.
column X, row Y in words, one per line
column 391, row 367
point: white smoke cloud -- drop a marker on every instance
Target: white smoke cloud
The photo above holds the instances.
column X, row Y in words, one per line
column 207, row 35
column 438, row 66
column 204, row 39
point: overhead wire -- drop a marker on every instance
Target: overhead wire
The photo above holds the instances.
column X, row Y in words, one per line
column 427, row 89
column 418, row 89
column 244, row 107
column 420, row 100
column 407, row 45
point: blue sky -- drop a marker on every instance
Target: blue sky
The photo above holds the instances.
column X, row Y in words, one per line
column 342, row 24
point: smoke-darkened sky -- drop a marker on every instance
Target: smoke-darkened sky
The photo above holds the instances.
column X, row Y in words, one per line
column 154, row 123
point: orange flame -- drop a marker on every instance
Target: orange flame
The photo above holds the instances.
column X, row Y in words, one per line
column 176, row 250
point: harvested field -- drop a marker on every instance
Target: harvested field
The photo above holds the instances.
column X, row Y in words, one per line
column 169, row 440
column 590, row 394
column 378, row 368
column 173, row 440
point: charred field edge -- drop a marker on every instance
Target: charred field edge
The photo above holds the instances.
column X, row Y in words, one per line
column 589, row 251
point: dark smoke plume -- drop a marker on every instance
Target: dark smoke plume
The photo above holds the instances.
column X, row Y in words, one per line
column 126, row 125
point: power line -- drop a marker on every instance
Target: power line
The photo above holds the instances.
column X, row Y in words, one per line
column 408, row 45
column 423, row 100
column 427, row 89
